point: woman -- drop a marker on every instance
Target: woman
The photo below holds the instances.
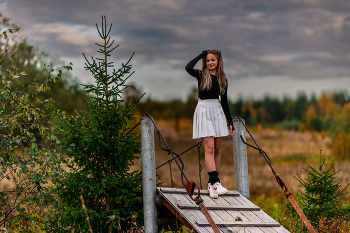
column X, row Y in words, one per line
column 209, row 121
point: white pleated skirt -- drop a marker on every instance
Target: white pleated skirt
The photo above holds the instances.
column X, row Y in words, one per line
column 209, row 120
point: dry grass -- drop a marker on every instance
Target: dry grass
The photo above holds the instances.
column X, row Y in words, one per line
column 288, row 150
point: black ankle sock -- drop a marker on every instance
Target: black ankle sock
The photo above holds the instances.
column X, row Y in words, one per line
column 213, row 177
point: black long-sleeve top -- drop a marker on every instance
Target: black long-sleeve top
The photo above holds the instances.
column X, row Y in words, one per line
column 214, row 91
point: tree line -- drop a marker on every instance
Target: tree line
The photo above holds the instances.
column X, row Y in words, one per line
column 301, row 113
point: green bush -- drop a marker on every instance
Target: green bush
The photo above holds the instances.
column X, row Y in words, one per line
column 28, row 160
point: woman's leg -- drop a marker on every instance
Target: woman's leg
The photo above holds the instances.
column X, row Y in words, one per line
column 208, row 143
column 217, row 187
column 217, row 152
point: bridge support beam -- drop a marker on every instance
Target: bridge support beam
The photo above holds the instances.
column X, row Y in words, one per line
column 148, row 175
column 240, row 159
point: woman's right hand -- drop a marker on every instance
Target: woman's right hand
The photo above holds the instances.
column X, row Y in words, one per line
column 205, row 52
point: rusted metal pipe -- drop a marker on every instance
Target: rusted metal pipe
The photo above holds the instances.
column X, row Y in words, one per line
column 301, row 214
column 190, row 189
column 288, row 195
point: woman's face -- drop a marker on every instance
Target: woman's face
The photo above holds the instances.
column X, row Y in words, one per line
column 212, row 61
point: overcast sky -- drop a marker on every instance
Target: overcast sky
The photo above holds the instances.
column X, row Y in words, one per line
column 270, row 47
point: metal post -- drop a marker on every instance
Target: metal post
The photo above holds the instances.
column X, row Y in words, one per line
column 240, row 159
column 148, row 175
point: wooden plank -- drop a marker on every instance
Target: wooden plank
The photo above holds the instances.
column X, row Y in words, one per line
column 245, row 230
column 281, row 229
column 183, row 200
column 236, row 214
column 238, row 230
column 200, row 216
column 193, row 220
column 221, row 201
column 189, row 198
column 224, row 215
column 254, row 230
column 170, row 199
column 218, row 207
column 208, row 201
column 267, row 229
column 244, row 200
column 231, row 200
column 239, row 223
column 263, row 216
column 251, row 216
column 202, row 192
column 184, row 213
column 209, row 229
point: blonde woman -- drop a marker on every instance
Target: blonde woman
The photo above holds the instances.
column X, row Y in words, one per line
column 209, row 121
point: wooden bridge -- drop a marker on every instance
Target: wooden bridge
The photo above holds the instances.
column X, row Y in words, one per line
column 231, row 212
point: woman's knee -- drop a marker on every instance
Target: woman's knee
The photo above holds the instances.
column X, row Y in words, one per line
column 217, row 152
column 210, row 150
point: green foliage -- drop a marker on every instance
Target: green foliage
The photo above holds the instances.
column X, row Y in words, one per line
column 26, row 166
column 320, row 198
column 66, row 93
column 99, row 150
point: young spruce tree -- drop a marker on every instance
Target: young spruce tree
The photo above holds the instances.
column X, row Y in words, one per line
column 320, row 199
column 100, row 150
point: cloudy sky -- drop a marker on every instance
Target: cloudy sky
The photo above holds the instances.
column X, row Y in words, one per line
column 270, row 47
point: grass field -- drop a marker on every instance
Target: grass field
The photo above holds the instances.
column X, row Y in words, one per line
column 289, row 152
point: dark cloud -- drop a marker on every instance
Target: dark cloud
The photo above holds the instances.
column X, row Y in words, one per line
column 300, row 39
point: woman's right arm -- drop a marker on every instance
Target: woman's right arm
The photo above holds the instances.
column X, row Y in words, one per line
column 193, row 62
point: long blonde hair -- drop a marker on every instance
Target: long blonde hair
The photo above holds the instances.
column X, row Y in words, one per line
column 205, row 73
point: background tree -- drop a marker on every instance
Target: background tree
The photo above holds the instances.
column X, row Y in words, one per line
column 100, row 150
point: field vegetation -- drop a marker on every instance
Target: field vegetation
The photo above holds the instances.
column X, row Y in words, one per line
column 48, row 178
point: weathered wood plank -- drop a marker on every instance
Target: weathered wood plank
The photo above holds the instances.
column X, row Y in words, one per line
column 189, row 198
column 208, row 201
column 242, row 199
column 192, row 220
column 209, row 229
column 281, row 229
column 232, row 200
column 239, row 223
column 182, row 199
column 239, row 230
column 218, row 207
column 205, row 192
column 184, row 213
column 263, row 216
column 171, row 199
column 252, row 217
column 254, row 230
column 224, row 211
column 221, row 201
column 267, row 229
column 236, row 214
column 199, row 214
column 224, row 215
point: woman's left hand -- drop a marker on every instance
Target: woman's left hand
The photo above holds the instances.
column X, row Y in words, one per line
column 231, row 131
